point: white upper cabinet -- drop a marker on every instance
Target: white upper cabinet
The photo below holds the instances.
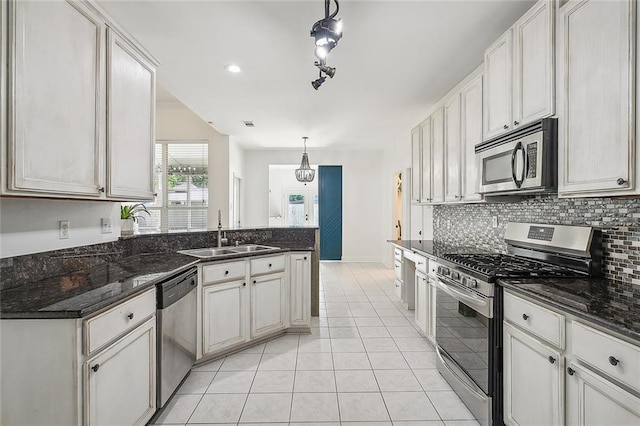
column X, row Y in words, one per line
column 452, row 148
column 533, row 73
column 597, row 152
column 471, row 135
column 437, row 153
column 519, row 72
column 498, row 87
column 80, row 107
column 416, row 165
column 425, row 137
column 56, row 83
column 130, row 120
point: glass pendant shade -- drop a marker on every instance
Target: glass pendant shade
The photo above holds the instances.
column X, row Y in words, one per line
column 305, row 173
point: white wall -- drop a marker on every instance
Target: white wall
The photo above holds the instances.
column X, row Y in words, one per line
column 363, row 195
column 174, row 121
column 236, row 169
column 30, row 225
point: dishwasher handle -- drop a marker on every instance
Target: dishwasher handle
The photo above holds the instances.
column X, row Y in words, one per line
column 174, row 289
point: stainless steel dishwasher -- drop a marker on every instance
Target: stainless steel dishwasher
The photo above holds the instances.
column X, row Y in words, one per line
column 176, row 317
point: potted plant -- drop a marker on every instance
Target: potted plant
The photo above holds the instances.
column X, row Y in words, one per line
column 129, row 215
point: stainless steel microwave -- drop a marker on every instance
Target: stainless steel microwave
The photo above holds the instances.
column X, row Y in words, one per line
column 523, row 161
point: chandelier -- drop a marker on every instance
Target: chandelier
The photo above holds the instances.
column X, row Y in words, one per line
column 327, row 32
column 305, row 173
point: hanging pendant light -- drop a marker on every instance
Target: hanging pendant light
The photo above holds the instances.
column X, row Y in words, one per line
column 305, row 173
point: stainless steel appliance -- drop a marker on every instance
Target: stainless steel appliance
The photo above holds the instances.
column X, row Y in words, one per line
column 521, row 161
column 469, row 304
column 176, row 340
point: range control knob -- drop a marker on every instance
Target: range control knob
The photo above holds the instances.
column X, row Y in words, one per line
column 445, row 271
column 455, row 275
column 472, row 283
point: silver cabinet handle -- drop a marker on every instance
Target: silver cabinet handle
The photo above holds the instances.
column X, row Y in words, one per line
column 621, row 181
column 515, row 123
column 505, row 127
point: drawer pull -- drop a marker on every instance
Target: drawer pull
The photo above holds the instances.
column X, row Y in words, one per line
column 130, row 316
column 552, row 360
column 571, row 371
column 613, row 361
column 95, row 368
column 305, row 258
column 244, row 284
column 226, row 272
column 269, row 265
column 255, row 282
column 525, row 317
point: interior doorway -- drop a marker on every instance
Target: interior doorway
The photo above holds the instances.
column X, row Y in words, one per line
column 237, row 204
column 291, row 203
column 301, row 207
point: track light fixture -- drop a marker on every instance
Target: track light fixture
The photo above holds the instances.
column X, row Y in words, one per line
column 327, row 32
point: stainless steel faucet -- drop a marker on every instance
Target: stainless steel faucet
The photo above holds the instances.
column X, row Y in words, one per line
column 221, row 239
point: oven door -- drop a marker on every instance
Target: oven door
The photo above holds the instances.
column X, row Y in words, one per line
column 464, row 337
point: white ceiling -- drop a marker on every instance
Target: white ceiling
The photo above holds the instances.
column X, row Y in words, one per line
column 395, row 60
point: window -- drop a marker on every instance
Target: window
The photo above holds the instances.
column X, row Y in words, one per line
column 181, row 182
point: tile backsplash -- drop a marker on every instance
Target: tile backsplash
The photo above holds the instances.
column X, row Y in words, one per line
column 618, row 218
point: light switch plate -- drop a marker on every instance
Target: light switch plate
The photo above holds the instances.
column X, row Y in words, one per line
column 63, row 230
column 105, row 225
column 494, row 221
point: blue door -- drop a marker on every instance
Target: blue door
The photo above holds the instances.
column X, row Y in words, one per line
column 330, row 212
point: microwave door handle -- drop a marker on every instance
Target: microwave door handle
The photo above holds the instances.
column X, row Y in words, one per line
column 517, row 181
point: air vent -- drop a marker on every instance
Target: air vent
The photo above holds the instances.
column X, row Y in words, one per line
column 249, row 123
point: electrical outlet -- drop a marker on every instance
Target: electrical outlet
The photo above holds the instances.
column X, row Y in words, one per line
column 448, row 225
column 494, row 221
column 63, row 230
column 106, row 225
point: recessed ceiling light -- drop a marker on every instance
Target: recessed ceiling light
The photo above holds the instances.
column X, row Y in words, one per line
column 233, row 68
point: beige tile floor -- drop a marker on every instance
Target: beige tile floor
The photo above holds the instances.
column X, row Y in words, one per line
column 363, row 364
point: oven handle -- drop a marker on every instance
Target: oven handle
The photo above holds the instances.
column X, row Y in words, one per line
column 472, row 387
column 481, row 304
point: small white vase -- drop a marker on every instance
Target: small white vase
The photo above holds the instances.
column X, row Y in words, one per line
column 126, row 227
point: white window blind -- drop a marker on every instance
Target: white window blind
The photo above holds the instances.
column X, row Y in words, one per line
column 182, row 185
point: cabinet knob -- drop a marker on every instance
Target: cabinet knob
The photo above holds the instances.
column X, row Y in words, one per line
column 515, row 123
column 419, row 232
column 525, row 317
column 226, row 272
column 571, row 371
column 254, row 281
column 244, row 284
column 130, row 316
column 613, row 361
column 269, row 265
column 505, row 127
column 552, row 360
column 101, row 189
column 621, row 181
column 305, row 258
column 95, row 368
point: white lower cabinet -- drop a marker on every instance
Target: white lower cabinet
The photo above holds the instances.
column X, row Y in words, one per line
column 422, row 302
column 120, row 382
column 300, row 289
column 431, row 329
column 267, row 304
column 531, row 368
column 224, row 315
column 593, row 400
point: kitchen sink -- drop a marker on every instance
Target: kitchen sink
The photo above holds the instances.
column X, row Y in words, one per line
column 205, row 253
column 251, row 248
column 208, row 253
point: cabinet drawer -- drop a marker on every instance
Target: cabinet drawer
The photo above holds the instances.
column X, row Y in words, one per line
column 110, row 324
column 535, row 319
column 618, row 359
column 223, row 272
column 422, row 265
column 398, row 288
column 397, row 268
column 265, row 265
column 397, row 253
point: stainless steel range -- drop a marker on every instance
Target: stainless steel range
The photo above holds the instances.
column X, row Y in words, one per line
column 469, row 304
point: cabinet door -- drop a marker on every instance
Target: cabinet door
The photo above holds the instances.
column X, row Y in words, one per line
column 452, row 149
column 533, row 381
column 471, row 128
column 300, row 284
column 416, row 223
column 593, row 400
column 437, row 152
column 224, row 316
column 596, row 72
column 422, row 302
column 120, row 383
column 498, row 86
column 534, row 73
column 130, row 121
column 431, row 313
column 55, row 122
column 425, row 135
column 267, row 304
column 416, row 165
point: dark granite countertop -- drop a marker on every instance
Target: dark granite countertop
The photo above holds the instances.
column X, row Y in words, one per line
column 434, row 249
column 614, row 305
column 88, row 290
